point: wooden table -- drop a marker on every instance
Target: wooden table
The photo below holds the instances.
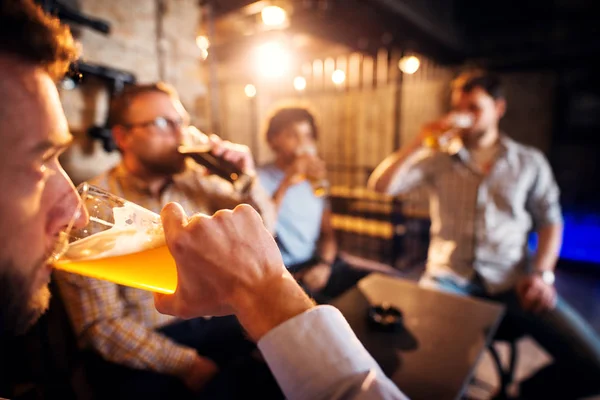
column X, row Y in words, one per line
column 444, row 336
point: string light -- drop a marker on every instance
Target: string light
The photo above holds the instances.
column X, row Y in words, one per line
column 250, row 90
column 338, row 77
column 409, row 64
column 273, row 16
column 299, row 83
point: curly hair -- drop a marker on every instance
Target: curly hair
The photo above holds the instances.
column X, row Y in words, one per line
column 34, row 36
column 287, row 116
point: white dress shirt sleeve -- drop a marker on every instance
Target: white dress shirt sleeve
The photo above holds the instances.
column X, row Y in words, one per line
column 315, row 355
column 416, row 170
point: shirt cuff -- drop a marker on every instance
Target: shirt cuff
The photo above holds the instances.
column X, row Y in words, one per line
column 310, row 353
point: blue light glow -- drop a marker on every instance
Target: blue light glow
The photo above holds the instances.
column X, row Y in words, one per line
column 581, row 238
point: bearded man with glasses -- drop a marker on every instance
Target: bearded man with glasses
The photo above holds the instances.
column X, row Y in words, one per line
column 145, row 352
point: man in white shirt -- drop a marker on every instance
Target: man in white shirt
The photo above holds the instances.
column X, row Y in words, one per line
column 486, row 196
column 312, row 351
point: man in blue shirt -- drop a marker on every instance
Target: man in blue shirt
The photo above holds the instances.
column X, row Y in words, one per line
column 303, row 231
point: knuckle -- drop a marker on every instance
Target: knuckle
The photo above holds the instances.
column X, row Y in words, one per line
column 246, row 211
column 221, row 215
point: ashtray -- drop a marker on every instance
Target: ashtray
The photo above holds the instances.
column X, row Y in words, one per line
column 385, row 317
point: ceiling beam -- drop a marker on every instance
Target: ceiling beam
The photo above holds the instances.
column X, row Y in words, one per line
column 443, row 31
column 223, row 7
column 357, row 24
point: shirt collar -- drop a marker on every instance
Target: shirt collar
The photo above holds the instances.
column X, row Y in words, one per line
column 507, row 147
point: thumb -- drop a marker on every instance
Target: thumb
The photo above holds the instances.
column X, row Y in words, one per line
column 165, row 303
column 173, row 219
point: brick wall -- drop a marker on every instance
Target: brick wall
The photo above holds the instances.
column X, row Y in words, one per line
column 133, row 45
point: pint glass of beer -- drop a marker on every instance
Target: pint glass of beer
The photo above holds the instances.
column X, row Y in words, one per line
column 122, row 243
column 198, row 147
column 320, row 185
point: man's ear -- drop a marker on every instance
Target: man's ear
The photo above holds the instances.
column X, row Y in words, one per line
column 120, row 135
column 501, row 107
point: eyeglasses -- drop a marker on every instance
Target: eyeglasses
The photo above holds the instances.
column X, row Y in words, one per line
column 163, row 124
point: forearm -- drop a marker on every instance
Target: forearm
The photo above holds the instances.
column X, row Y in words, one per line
column 382, row 176
column 548, row 249
column 260, row 309
column 328, row 248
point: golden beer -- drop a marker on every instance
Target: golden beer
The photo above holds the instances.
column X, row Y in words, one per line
column 152, row 269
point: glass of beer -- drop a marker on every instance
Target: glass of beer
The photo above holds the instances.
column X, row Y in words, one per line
column 450, row 141
column 198, row 147
column 320, row 185
column 123, row 243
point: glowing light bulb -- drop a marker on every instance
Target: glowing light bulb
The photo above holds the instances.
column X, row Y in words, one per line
column 273, row 59
column 409, row 64
column 250, row 90
column 299, row 83
column 273, row 16
column 338, row 77
column 202, row 42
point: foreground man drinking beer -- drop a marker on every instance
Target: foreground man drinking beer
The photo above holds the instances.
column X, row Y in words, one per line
column 37, row 201
column 113, row 322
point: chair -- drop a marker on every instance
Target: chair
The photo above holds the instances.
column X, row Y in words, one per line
column 506, row 333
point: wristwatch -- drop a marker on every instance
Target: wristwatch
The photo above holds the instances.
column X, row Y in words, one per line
column 547, row 276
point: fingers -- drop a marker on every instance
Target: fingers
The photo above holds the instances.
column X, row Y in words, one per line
column 173, row 218
column 239, row 156
column 166, row 304
column 522, row 287
column 248, row 213
column 546, row 300
column 234, row 153
column 538, row 298
column 529, row 297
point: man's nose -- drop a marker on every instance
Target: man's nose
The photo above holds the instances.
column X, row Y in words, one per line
column 73, row 213
column 81, row 216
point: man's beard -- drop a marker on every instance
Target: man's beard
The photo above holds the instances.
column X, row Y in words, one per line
column 19, row 307
column 169, row 165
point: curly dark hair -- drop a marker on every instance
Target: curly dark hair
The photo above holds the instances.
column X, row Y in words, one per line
column 284, row 117
column 32, row 35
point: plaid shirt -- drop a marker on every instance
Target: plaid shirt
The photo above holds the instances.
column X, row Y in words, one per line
column 119, row 322
column 480, row 222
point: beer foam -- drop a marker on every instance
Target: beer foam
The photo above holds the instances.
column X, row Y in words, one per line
column 135, row 230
